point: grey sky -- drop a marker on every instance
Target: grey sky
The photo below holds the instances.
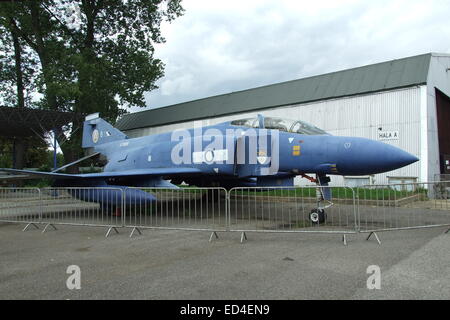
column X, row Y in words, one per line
column 224, row 46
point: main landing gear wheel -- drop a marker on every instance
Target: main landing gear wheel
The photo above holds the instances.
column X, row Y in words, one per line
column 317, row 216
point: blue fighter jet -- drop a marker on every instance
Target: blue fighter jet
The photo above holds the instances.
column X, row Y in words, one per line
column 260, row 151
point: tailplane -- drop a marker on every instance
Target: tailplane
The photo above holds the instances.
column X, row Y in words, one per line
column 97, row 131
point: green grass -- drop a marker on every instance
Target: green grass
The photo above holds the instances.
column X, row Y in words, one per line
column 388, row 194
column 310, row 192
column 337, row 193
column 37, row 183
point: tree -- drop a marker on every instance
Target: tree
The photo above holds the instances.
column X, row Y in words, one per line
column 36, row 156
column 16, row 74
column 101, row 61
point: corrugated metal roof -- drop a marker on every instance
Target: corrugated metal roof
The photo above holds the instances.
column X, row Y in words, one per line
column 372, row 78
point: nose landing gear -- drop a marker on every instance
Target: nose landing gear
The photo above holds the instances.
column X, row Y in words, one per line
column 323, row 197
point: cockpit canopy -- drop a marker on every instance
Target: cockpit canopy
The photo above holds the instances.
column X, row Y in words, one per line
column 294, row 126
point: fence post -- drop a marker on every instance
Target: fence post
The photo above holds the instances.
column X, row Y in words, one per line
column 356, row 206
column 41, row 205
column 227, row 210
column 123, row 206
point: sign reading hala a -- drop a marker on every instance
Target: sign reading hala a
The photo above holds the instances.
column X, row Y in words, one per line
column 388, row 135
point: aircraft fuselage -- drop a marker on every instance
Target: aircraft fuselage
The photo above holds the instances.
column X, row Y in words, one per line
column 215, row 151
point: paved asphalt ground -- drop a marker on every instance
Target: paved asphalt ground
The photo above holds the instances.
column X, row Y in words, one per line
column 184, row 265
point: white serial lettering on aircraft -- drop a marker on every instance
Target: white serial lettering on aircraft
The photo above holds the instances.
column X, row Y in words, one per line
column 210, row 156
column 124, row 144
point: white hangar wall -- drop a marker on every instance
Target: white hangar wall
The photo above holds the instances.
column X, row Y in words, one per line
column 400, row 110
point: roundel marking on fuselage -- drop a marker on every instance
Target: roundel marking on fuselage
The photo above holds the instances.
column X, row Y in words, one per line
column 209, row 155
column 95, row 136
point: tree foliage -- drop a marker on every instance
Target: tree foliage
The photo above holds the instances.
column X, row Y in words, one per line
column 13, row 48
column 87, row 55
column 37, row 156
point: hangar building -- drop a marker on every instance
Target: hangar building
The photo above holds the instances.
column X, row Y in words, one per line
column 402, row 102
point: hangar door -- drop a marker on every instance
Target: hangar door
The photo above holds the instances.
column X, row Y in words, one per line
column 443, row 117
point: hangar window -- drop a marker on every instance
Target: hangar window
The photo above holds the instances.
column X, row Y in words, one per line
column 358, row 181
column 403, row 183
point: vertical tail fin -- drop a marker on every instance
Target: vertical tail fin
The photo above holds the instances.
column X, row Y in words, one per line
column 97, row 131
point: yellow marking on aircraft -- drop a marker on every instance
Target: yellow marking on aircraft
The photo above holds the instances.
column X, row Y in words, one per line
column 262, row 153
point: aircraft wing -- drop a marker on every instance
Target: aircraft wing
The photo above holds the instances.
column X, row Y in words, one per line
column 125, row 173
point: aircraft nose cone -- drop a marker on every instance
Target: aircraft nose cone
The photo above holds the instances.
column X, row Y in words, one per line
column 399, row 158
column 390, row 157
column 363, row 156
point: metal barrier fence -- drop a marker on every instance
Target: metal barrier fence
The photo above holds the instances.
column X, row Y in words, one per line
column 403, row 206
column 95, row 207
column 442, row 177
column 62, row 206
column 366, row 209
column 200, row 209
column 292, row 209
column 20, row 205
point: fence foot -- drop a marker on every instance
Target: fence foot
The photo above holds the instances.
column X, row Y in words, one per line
column 109, row 231
column 33, row 224
column 135, row 229
column 376, row 237
column 344, row 239
column 213, row 234
column 447, row 231
column 243, row 237
column 49, row 224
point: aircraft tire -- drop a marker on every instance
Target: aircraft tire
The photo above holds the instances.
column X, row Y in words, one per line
column 317, row 216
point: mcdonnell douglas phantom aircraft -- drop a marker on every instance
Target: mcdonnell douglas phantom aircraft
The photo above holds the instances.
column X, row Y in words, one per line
column 261, row 151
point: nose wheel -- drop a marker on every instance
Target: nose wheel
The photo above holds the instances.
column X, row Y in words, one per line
column 323, row 198
column 317, row 216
